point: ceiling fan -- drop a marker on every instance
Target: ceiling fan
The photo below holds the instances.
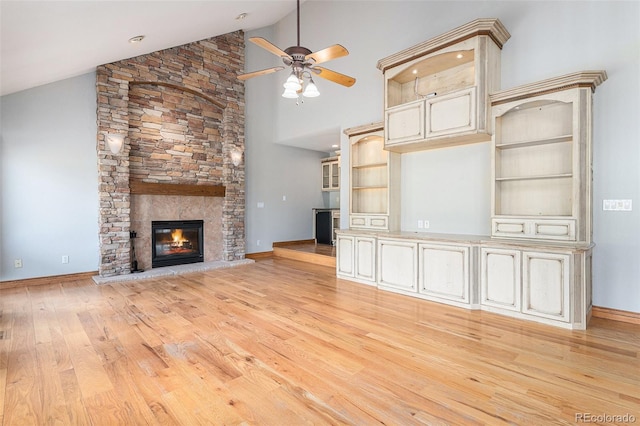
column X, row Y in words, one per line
column 303, row 65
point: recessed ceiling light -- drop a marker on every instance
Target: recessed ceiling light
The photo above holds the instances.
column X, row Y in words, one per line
column 241, row 16
column 459, row 56
column 334, row 146
column 136, row 39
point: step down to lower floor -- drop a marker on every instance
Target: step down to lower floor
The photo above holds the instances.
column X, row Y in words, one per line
column 306, row 253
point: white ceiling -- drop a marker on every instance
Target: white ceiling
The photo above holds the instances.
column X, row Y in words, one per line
column 46, row 41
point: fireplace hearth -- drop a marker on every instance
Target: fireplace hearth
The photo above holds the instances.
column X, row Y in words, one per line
column 176, row 242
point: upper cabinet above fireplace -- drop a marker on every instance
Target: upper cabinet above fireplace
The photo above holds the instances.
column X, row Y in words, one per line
column 437, row 92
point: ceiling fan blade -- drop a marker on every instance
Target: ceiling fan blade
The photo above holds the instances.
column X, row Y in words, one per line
column 336, row 77
column 267, row 45
column 327, row 54
column 258, row 73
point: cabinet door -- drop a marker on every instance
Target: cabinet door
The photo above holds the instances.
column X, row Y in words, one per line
column 398, row 265
column 444, row 272
column 500, row 278
column 451, row 113
column 335, row 175
column 405, row 123
column 326, row 176
column 546, row 279
column 365, row 258
column 345, row 250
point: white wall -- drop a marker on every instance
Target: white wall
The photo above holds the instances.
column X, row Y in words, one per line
column 49, row 178
column 450, row 187
column 274, row 171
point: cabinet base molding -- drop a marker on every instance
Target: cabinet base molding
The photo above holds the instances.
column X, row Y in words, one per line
column 444, row 301
column 616, row 315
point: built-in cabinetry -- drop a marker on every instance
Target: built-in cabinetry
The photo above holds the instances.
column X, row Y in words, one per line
column 436, row 92
column 398, row 264
column 536, row 264
column 374, row 196
column 437, row 267
column 537, row 281
column 356, row 257
column 541, row 165
column 331, row 174
column 550, row 284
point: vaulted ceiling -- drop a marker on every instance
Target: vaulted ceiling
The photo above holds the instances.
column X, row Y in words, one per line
column 46, row 41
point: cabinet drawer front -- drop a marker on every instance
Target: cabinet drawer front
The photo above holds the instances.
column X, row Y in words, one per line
column 378, row 222
column 405, row 123
column 554, row 229
column 508, row 227
column 451, row 113
column 546, row 285
column 369, row 222
column 358, row 221
column 551, row 229
column 444, row 271
column 500, row 278
column 397, row 265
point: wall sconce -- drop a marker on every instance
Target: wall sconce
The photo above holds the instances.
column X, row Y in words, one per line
column 115, row 141
column 236, row 155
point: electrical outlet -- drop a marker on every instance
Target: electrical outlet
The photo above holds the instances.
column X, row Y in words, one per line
column 426, row 224
column 260, row 204
column 17, row 263
column 258, row 242
column 284, row 198
column 420, row 224
column 65, row 259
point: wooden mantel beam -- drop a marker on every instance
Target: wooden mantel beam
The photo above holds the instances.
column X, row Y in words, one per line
column 138, row 187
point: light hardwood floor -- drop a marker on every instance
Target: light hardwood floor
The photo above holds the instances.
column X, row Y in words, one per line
column 282, row 342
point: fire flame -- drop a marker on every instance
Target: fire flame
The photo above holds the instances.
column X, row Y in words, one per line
column 177, row 238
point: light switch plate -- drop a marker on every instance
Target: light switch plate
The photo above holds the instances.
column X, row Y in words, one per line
column 617, row 205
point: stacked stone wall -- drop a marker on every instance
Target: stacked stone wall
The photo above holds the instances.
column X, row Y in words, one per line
column 182, row 110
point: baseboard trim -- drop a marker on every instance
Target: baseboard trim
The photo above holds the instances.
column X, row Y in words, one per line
column 47, row 280
column 259, row 255
column 291, row 243
column 616, row 315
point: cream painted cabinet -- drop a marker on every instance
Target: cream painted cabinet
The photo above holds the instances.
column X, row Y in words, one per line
column 345, row 253
column 545, row 284
column 500, row 277
column 356, row 258
column 398, row 265
column 330, row 174
column 444, row 272
column 374, row 201
column 541, row 159
column 437, row 92
column 365, row 259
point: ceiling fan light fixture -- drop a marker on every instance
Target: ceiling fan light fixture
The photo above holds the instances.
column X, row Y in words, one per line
column 292, row 83
column 290, row 94
column 302, row 62
column 311, row 90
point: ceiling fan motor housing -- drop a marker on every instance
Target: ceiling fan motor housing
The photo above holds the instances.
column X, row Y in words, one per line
column 298, row 53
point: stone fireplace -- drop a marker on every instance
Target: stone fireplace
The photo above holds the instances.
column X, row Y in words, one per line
column 182, row 111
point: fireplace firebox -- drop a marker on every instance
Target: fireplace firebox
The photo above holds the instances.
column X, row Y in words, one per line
column 175, row 242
